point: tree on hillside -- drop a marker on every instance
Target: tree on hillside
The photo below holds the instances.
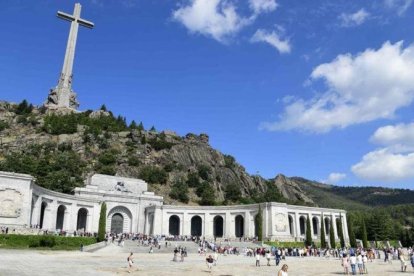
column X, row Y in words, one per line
column 340, row 231
column 364, row 235
column 103, row 108
column 351, row 234
column 308, row 240
column 323, row 238
column 102, row 223
column 259, row 224
column 332, row 234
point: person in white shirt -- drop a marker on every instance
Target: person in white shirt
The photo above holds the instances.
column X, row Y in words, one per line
column 268, row 257
column 257, row 259
column 353, row 262
column 360, row 264
column 364, row 264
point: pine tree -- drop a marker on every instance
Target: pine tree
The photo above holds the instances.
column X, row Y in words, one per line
column 351, row 234
column 259, row 224
column 103, row 108
column 332, row 235
column 323, row 238
column 141, row 126
column 102, row 223
column 133, row 125
column 308, row 240
column 364, row 235
column 340, row 231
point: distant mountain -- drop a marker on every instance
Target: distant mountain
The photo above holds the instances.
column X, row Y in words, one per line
column 62, row 148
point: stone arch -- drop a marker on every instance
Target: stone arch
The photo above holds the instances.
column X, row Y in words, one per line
column 42, row 214
column 291, row 226
column 315, row 225
column 126, row 215
column 302, row 225
column 60, row 217
column 174, row 225
column 82, row 219
column 218, row 224
column 117, row 223
column 327, row 225
column 196, row 226
column 239, row 226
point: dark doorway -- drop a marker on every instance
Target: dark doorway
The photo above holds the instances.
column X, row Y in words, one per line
column 239, row 224
column 42, row 214
column 315, row 224
column 291, row 226
column 218, row 226
column 82, row 217
column 117, row 223
column 174, row 225
column 196, row 229
column 302, row 222
column 60, row 218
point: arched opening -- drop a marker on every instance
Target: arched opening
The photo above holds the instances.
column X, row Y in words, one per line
column 174, row 225
column 117, row 223
column 239, row 225
column 302, row 223
column 151, row 224
column 196, row 226
column 327, row 226
column 315, row 225
column 82, row 217
column 125, row 213
column 60, row 217
column 291, row 229
column 42, row 214
column 218, row 226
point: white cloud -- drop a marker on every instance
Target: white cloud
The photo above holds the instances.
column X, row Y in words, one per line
column 399, row 138
column 215, row 18
column 353, row 19
column 334, row 178
column 401, row 6
column 272, row 38
column 385, row 165
column 259, row 6
column 361, row 88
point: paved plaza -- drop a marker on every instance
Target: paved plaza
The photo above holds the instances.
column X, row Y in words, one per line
column 112, row 261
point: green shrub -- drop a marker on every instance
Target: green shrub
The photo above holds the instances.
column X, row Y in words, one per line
column 3, row 125
column 179, row 191
column 232, row 192
column 204, row 171
column 159, row 144
column 23, row 108
column 193, row 180
column 44, row 241
column 229, row 161
column 153, row 175
column 107, row 158
column 134, row 161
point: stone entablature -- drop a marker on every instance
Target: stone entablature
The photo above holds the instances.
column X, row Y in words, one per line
column 131, row 208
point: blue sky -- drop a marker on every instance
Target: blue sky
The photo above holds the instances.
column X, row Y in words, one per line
column 318, row 89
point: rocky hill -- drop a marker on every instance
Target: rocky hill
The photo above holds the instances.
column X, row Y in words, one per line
column 62, row 149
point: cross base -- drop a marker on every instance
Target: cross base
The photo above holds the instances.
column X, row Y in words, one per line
column 61, row 98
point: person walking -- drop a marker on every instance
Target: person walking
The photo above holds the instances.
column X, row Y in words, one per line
column 268, row 257
column 209, row 261
column 277, row 256
column 130, row 262
column 353, row 262
column 215, row 258
column 403, row 264
column 283, row 271
column 360, row 264
column 412, row 260
column 345, row 263
column 257, row 259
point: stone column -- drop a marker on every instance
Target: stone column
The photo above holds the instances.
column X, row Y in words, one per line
column 311, row 225
column 228, row 229
column 208, row 226
column 36, row 211
column 333, row 217
column 297, row 226
column 186, row 229
column 345, row 228
column 247, row 232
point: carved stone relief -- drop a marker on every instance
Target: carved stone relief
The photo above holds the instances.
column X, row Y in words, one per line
column 10, row 203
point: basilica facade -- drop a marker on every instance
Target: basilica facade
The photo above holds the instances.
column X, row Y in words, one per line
column 132, row 209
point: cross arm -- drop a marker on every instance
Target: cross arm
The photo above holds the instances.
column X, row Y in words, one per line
column 65, row 16
column 85, row 23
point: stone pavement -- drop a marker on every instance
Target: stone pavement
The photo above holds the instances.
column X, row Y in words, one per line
column 111, row 260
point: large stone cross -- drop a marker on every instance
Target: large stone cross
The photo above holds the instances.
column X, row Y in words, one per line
column 62, row 96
